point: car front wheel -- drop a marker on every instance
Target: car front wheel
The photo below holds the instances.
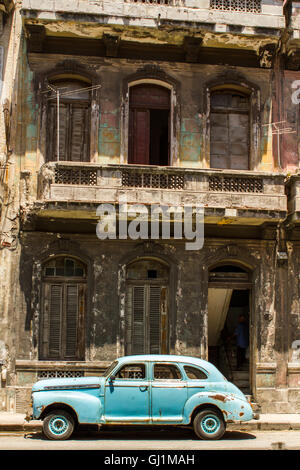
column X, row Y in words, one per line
column 209, row 424
column 58, row 425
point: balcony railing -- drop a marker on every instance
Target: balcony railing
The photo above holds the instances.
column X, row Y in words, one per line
column 248, row 6
column 171, row 3
column 248, row 194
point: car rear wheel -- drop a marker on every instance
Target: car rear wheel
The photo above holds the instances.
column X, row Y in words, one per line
column 58, row 425
column 209, row 424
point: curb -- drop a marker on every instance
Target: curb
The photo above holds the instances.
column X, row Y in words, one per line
column 20, row 427
column 251, row 426
column 264, row 426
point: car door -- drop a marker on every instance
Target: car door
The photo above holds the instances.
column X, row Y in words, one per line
column 127, row 394
column 168, row 393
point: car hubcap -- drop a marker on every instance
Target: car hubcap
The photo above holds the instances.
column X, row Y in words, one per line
column 58, row 425
column 210, row 424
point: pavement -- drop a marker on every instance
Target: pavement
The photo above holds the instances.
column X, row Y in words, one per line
column 15, row 422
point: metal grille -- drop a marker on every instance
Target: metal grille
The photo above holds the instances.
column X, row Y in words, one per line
column 152, row 180
column 170, row 3
column 235, row 185
column 83, row 176
column 60, row 374
column 249, row 6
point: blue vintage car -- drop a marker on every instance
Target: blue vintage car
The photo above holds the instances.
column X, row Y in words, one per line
column 144, row 389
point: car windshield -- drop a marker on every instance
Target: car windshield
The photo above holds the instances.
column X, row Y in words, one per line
column 109, row 369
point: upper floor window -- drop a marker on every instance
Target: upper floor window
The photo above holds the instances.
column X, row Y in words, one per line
column 149, row 125
column 249, row 6
column 229, row 130
column 68, row 121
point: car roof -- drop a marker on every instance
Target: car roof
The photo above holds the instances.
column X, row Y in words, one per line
column 197, row 361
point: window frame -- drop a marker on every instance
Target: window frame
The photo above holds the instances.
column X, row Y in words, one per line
column 254, row 119
column 174, row 117
column 195, row 367
column 166, row 364
column 72, row 72
column 136, row 363
column 65, row 282
column 68, row 103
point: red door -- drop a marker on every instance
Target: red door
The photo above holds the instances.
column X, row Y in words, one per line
column 144, row 100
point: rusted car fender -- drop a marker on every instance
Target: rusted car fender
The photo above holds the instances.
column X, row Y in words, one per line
column 232, row 408
column 88, row 408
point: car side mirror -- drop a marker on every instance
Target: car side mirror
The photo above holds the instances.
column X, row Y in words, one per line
column 111, row 379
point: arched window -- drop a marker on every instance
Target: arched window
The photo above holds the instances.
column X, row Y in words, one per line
column 63, row 306
column 149, row 125
column 147, row 307
column 71, row 125
column 229, row 130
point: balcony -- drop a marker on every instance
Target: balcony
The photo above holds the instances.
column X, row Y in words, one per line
column 156, row 18
column 229, row 197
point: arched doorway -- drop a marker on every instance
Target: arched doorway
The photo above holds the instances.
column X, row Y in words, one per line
column 147, row 302
column 149, row 125
column 229, row 333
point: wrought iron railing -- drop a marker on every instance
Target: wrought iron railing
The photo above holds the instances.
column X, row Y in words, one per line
column 236, row 184
column 155, row 180
column 248, row 6
column 159, row 2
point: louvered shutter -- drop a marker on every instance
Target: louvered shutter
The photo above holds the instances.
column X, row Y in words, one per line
column 78, row 147
column 146, row 319
column 71, row 320
column 81, row 321
column 154, row 319
column 63, row 335
column 73, row 131
column 138, row 320
column 63, row 131
column 55, row 319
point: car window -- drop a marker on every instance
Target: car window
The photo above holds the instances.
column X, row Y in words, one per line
column 193, row 373
column 132, row 371
column 166, row 372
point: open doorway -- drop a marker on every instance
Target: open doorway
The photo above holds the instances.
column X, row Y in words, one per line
column 229, row 324
column 149, row 125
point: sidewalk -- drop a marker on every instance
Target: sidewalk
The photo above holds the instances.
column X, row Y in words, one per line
column 14, row 422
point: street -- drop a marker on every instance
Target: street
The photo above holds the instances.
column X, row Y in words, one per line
column 158, row 439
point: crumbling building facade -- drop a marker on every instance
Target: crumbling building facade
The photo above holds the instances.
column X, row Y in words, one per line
column 167, row 102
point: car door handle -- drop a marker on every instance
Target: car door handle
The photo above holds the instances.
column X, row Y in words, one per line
column 143, row 388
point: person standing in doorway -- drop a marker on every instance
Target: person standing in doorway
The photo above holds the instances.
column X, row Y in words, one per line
column 242, row 340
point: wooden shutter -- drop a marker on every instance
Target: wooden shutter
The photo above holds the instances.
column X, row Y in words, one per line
column 73, row 131
column 78, row 147
column 63, row 132
column 63, row 335
column 55, row 320
column 238, row 125
column 81, row 321
column 229, row 132
column 146, row 320
column 138, row 321
column 154, row 319
column 71, row 320
column 139, row 136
